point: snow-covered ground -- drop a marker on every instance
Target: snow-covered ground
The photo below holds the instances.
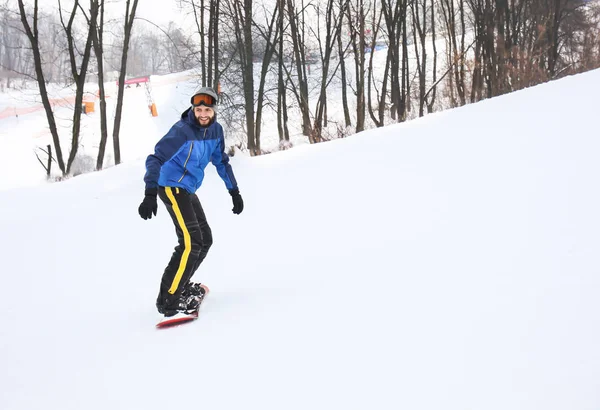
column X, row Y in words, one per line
column 22, row 135
column 446, row 263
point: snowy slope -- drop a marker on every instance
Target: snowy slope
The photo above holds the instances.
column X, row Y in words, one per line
column 446, row 263
column 22, row 135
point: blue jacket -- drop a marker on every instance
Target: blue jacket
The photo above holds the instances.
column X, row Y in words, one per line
column 181, row 156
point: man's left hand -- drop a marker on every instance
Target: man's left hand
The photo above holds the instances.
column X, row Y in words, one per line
column 238, row 202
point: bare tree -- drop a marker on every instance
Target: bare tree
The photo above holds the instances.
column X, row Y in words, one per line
column 419, row 24
column 342, row 56
column 431, row 94
column 296, row 25
column 245, row 18
column 270, row 35
column 241, row 22
column 455, row 48
column 130, row 9
column 395, row 16
column 200, row 27
column 356, row 23
column 333, row 21
column 214, row 72
column 421, row 16
column 198, row 10
column 11, row 44
column 98, row 43
column 31, row 29
column 78, row 73
column 381, row 96
column 282, row 109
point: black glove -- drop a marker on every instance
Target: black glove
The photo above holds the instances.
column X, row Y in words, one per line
column 238, row 202
column 149, row 205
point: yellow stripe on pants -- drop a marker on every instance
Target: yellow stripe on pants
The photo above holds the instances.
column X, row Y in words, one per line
column 187, row 241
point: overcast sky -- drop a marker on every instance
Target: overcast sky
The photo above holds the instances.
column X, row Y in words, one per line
column 159, row 12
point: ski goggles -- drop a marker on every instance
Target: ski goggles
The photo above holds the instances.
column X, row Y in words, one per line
column 203, row 99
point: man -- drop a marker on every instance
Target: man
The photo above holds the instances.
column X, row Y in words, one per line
column 174, row 172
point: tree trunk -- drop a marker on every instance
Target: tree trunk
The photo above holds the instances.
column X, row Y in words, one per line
column 215, row 17
column 284, row 134
column 199, row 21
column 271, row 44
column 332, row 28
column 460, row 76
column 248, row 75
column 129, row 18
column 300, row 59
column 33, row 36
column 356, row 27
column 211, row 30
column 78, row 75
column 405, row 88
column 360, row 83
column 342, row 56
column 433, row 90
column 202, row 45
column 419, row 37
column 392, row 20
column 378, row 121
column 99, row 51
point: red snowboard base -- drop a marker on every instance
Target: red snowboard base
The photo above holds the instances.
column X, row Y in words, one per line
column 177, row 320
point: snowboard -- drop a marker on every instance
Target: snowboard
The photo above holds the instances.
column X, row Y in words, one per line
column 182, row 318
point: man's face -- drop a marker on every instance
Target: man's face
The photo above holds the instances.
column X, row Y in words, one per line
column 203, row 114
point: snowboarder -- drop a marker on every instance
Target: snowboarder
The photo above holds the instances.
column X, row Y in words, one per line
column 174, row 172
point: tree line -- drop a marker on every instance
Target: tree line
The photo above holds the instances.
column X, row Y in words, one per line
column 439, row 53
column 284, row 55
column 65, row 47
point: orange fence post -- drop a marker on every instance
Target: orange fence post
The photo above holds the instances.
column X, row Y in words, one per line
column 153, row 110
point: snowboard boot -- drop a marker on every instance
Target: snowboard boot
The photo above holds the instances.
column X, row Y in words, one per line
column 186, row 305
column 194, row 289
column 190, row 299
column 192, row 294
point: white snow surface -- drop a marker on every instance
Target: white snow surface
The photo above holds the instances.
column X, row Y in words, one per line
column 450, row 262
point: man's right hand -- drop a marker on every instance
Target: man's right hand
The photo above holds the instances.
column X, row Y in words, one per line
column 149, row 205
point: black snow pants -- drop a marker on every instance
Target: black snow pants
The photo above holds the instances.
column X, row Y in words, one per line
column 194, row 236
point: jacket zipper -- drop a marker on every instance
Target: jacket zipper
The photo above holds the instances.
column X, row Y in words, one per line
column 186, row 161
column 188, row 157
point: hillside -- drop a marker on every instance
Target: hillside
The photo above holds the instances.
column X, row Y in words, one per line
column 436, row 264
